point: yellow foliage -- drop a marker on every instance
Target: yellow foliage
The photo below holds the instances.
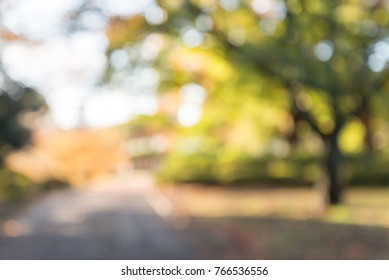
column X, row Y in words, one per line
column 349, row 13
column 317, row 7
column 321, row 111
column 243, row 136
column 201, row 61
column 171, row 4
column 205, row 4
column 351, row 137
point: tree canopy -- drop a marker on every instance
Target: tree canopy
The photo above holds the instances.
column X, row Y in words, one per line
column 322, row 64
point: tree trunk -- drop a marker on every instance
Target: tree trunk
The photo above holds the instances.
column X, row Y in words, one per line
column 333, row 188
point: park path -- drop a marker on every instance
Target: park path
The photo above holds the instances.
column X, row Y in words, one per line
column 117, row 218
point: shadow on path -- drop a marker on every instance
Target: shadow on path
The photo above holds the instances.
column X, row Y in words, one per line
column 276, row 238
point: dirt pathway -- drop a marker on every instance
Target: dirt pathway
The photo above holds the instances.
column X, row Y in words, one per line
column 114, row 219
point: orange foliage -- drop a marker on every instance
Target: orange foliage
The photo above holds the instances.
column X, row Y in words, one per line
column 74, row 156
column 121, row 31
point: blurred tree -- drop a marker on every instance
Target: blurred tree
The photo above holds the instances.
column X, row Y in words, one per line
column 322, row 50
column 324, row 53
column 329, row 56
column 15, row 99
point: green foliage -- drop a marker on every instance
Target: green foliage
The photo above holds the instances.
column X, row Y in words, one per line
column 225, row 168
column 149, row 124
column 15, row 99
column 235, row 169
column 188, row 168
column 367, row 169
column 15, row 187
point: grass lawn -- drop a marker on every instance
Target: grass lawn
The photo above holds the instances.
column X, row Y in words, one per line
column 283, row 223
